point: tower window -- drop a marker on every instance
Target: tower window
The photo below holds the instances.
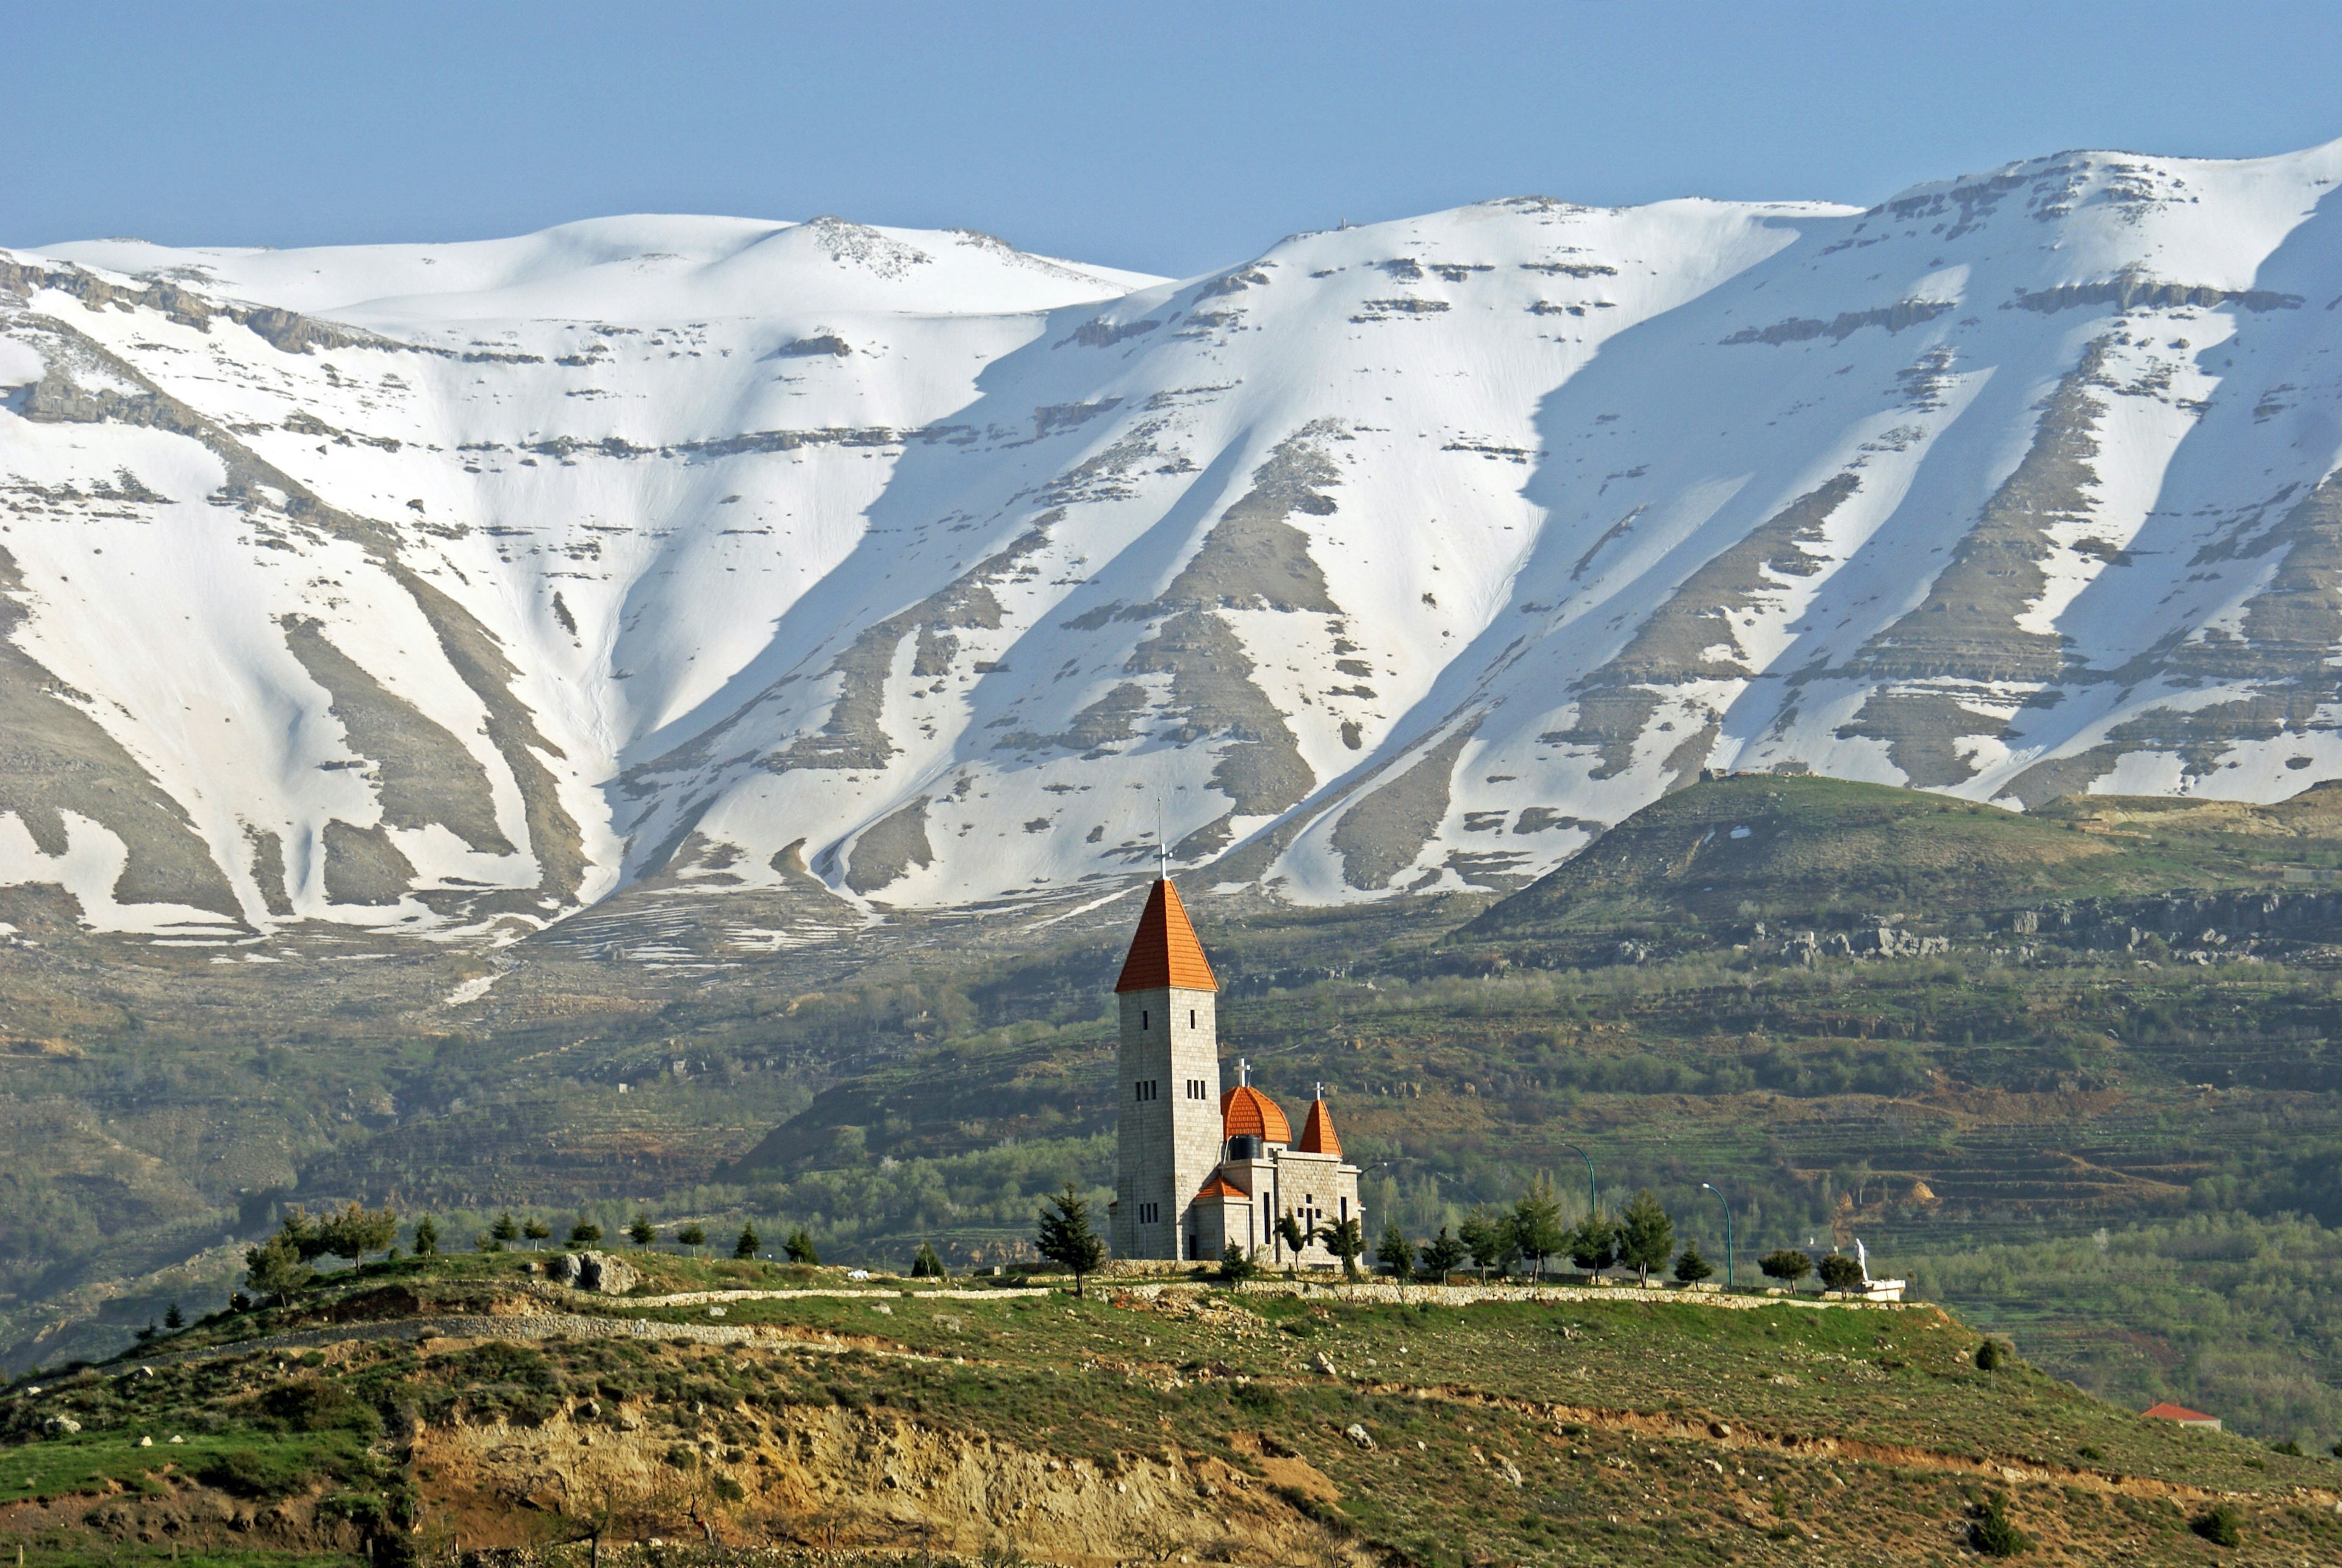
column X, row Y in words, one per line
column 1143, row 1089
column 1142, row 1018
column 1191, row 1018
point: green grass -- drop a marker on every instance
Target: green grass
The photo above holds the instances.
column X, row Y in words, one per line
column 1532, row 1434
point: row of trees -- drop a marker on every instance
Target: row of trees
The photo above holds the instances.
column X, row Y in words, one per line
column 691, row 1233
column 1532, row 1230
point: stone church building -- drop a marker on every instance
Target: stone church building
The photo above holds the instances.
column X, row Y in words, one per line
column 1200, row 1168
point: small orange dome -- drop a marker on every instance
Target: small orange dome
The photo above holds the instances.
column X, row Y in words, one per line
column 1246, row 1113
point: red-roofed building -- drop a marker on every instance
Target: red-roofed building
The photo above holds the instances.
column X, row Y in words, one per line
column 2166, row 1411
column 1198, row 1170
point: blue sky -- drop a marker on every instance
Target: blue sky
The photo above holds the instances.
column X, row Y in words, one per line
column 1166, row 138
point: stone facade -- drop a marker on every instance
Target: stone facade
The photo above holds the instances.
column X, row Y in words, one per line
column 1169, row 1138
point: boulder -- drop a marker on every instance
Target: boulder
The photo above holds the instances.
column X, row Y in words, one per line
column 604, row 1271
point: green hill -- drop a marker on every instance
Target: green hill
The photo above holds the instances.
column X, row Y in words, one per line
column 1754, row 847
column 405, row 1410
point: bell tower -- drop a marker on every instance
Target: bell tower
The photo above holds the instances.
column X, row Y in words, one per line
column 1169, row 1090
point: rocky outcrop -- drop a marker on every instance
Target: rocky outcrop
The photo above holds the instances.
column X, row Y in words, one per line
column 603, row 1272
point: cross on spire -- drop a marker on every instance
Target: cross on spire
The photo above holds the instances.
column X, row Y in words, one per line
column 1244, row 1070
column 1317, row 1092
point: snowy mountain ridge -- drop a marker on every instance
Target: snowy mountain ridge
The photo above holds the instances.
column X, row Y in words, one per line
column 449, row 588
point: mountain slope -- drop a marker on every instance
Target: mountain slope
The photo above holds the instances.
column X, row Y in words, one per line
column 432, row 587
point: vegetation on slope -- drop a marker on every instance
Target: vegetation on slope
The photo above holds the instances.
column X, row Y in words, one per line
column 1197, row 1422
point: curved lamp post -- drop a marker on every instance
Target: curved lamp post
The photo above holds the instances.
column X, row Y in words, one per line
column 1591, row 1208
column 1706, row 1187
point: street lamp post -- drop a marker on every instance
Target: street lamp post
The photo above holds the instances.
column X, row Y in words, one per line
column 1591, row 1205
column 1727, row 1233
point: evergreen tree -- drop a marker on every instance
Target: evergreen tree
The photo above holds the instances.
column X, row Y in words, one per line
column 1786, row 1266
column 1345, row 1238
column 535, row 1231
column 427, row 1237
column 746, row 1247
column 799, row 1248
column 1646, row 1236
column 1442, row 1257
column 1594, row 1244
column 642, row 1232
column 1691, row 1268
column 355, row 1230
column 506, row 1229
column 1537, row 1229
column 172, row 1318
column 1236, row 1266
column 1489, row 1238
column 926, row 1265
column 1839, row 1272
column 275, row 1268
column 1395, row 1252
column 1065, row 1237
column 694, row 1235
column 1288, row 1231
column 584, row 1233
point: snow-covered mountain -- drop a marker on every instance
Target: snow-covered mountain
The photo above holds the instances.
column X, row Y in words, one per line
column 448, row 588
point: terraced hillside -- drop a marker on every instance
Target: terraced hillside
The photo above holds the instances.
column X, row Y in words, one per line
column 408, row 1410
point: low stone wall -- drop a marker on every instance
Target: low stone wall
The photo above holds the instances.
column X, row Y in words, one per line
column 1389, row 1292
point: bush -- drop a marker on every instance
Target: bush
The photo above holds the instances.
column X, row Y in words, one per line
column 313, row 1406
column 2288, row 1446
column 1994, row 1533
column 1235, row 1266
column 248, row 1472
column 2219, row 1525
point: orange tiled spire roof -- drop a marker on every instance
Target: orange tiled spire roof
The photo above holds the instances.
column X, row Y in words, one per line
column 1164, row 951
column 1318, row 1136
column 1246, row 1113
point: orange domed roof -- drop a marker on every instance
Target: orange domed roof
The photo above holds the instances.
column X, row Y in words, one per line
column 1246, row 1113
column 1317, row 1132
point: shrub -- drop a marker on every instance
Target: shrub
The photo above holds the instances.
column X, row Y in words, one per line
column 2288, row 1446
column 1839, row 1272
column 1235, row 1266
column 1994, row 1533
column 248, row 1472
column 311, row 1405
column 2220, row 1524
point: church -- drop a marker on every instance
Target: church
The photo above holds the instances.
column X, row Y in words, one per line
column 1200, row 1168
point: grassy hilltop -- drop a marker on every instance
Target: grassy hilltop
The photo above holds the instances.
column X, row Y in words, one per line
column 2100, row 1113
column 397, row 1412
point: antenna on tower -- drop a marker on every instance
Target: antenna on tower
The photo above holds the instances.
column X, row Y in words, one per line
column 1161, row 850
